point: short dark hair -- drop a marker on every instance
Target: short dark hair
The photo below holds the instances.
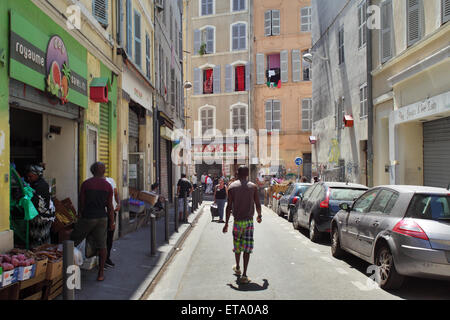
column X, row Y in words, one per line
column 155, row 185
column 243, row 172
column 96, row 166
column 183, row 175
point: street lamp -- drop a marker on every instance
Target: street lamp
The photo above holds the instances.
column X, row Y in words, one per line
column 187, row 85
column 308, row 57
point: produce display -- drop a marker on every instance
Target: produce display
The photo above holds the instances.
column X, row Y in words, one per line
column 48, row 250
column 17, row 258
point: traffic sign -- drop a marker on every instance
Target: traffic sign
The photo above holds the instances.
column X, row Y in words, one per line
column 298, row 161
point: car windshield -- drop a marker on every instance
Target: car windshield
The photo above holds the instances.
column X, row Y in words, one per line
column 430, row 207
column 345, row 194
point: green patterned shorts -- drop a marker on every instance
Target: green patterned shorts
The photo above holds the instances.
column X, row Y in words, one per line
column 243, row 236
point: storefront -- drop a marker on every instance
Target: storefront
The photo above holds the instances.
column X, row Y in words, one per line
column 166, row 172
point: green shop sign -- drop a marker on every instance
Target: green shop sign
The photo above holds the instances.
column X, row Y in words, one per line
column 50, row 60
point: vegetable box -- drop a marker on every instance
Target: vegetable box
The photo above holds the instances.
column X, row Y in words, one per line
column 25, row 273
column 9, row 277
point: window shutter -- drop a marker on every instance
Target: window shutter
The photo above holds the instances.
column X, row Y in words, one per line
column 242, row 36
column 414, row 21
column 204, row 7
column 306, row 114
column 276, row 115
column 228, row 78
column 235, row 5
column 129, row 29
column 210, row 6
column 198, row 80
column 284, row 64
column 120, row 22
column 296, row 65
column 269, row 115
column 305, row 19
column 100, row 11
column 235, row 35
column 445, row 11
column 275, row 22
column 247, row 76
column 197, row 41
column 268, row 23
column 243, row 118
column 386, row 31
column 260, row 74
column 216, row 79
column 147, row 55
column 210, row 40
column 137, row 39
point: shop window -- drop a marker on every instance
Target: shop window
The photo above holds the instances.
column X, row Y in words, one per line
column 208, row 81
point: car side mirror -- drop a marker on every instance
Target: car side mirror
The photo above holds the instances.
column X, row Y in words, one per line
column 345, row 206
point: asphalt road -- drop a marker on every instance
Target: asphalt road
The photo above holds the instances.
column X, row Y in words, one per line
column 285, row 265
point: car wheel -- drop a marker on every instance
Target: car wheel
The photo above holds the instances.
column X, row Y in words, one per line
column 314, row 234
column 336, row 250
column 388, row 277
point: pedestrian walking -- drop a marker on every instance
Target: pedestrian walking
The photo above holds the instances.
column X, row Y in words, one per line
column 194, row 180
column 220, row 198
column 110, row 234
column 242, row 200
column 209, row 185
column 184, row 188
column 97, row 214
column 203, row 181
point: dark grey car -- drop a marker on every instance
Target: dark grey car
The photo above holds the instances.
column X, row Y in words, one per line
column 404, row 230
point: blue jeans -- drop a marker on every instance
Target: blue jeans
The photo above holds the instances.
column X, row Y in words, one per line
column 221, row 207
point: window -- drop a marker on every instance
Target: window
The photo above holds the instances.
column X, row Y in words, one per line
column 239, row 78
column 207, row 7
column 172, row 86
column 305, row 19
column 239, row 118
column 260, row 76
column 100, row 11
column 306, row 68
column 137, row 38
column 340, row 113
column 147, row 56
column 386, row 31
column 129, row 29
column 362, row 205
column 208, row 81
column 362, row 23
column 296, row 66
column 119, row 23
column 381, row 201
column 429, row 207
column 341, row 45
column 414, row 21
column 207, row 119
column 239, row 5
column 272, row 23
column 363, row 102
column 306, row 114
column 273, row 115
column 239, row 36
column 273, row 72
column 445, row 11
column 204, row 40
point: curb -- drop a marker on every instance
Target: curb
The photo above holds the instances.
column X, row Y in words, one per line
column 148, row 283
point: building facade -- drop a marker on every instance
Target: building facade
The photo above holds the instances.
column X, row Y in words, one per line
column 217, row 38
column 48, row 113
column 411, row 97
column 168, row 98
column 282, row 83
column 341, row 91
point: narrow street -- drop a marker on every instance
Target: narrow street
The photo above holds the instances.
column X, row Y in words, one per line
column 284, row 265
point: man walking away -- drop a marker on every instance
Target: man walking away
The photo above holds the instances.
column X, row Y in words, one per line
column 110, row 235
column 96, row 209
column 242, row 200
column 184, row 188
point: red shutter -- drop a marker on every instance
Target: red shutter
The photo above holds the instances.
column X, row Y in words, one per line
column 240, row 78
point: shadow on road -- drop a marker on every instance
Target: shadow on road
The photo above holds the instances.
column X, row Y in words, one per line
column 252, row 286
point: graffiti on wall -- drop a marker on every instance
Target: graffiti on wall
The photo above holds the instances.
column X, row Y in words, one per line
column 335, row 153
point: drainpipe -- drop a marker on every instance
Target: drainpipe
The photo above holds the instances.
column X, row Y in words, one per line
column 370, row 106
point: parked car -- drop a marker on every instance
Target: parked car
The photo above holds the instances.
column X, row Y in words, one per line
column 321, row 202
column 291, row 198
column 404, row 230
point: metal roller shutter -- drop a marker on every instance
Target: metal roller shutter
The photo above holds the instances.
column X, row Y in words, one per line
column 436, row 153
column 133, row 124
column 104, row 136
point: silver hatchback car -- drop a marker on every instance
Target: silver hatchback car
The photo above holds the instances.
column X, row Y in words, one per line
column 403, row 230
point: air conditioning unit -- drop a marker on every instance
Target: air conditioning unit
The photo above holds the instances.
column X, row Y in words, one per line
column 159, row 4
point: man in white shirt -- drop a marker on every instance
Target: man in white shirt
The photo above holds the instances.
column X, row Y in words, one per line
column 209, row 183
column 203, row 181
column 194, row 180
column 110, row 235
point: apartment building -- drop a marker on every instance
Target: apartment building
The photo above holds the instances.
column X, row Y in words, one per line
column 282, row 88
column 411, row 97
column 341, row 91
column 217, row 37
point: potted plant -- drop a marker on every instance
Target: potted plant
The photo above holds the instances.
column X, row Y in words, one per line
column 202, row 50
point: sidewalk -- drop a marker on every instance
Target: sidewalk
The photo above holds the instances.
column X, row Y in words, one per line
column 134, row 268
